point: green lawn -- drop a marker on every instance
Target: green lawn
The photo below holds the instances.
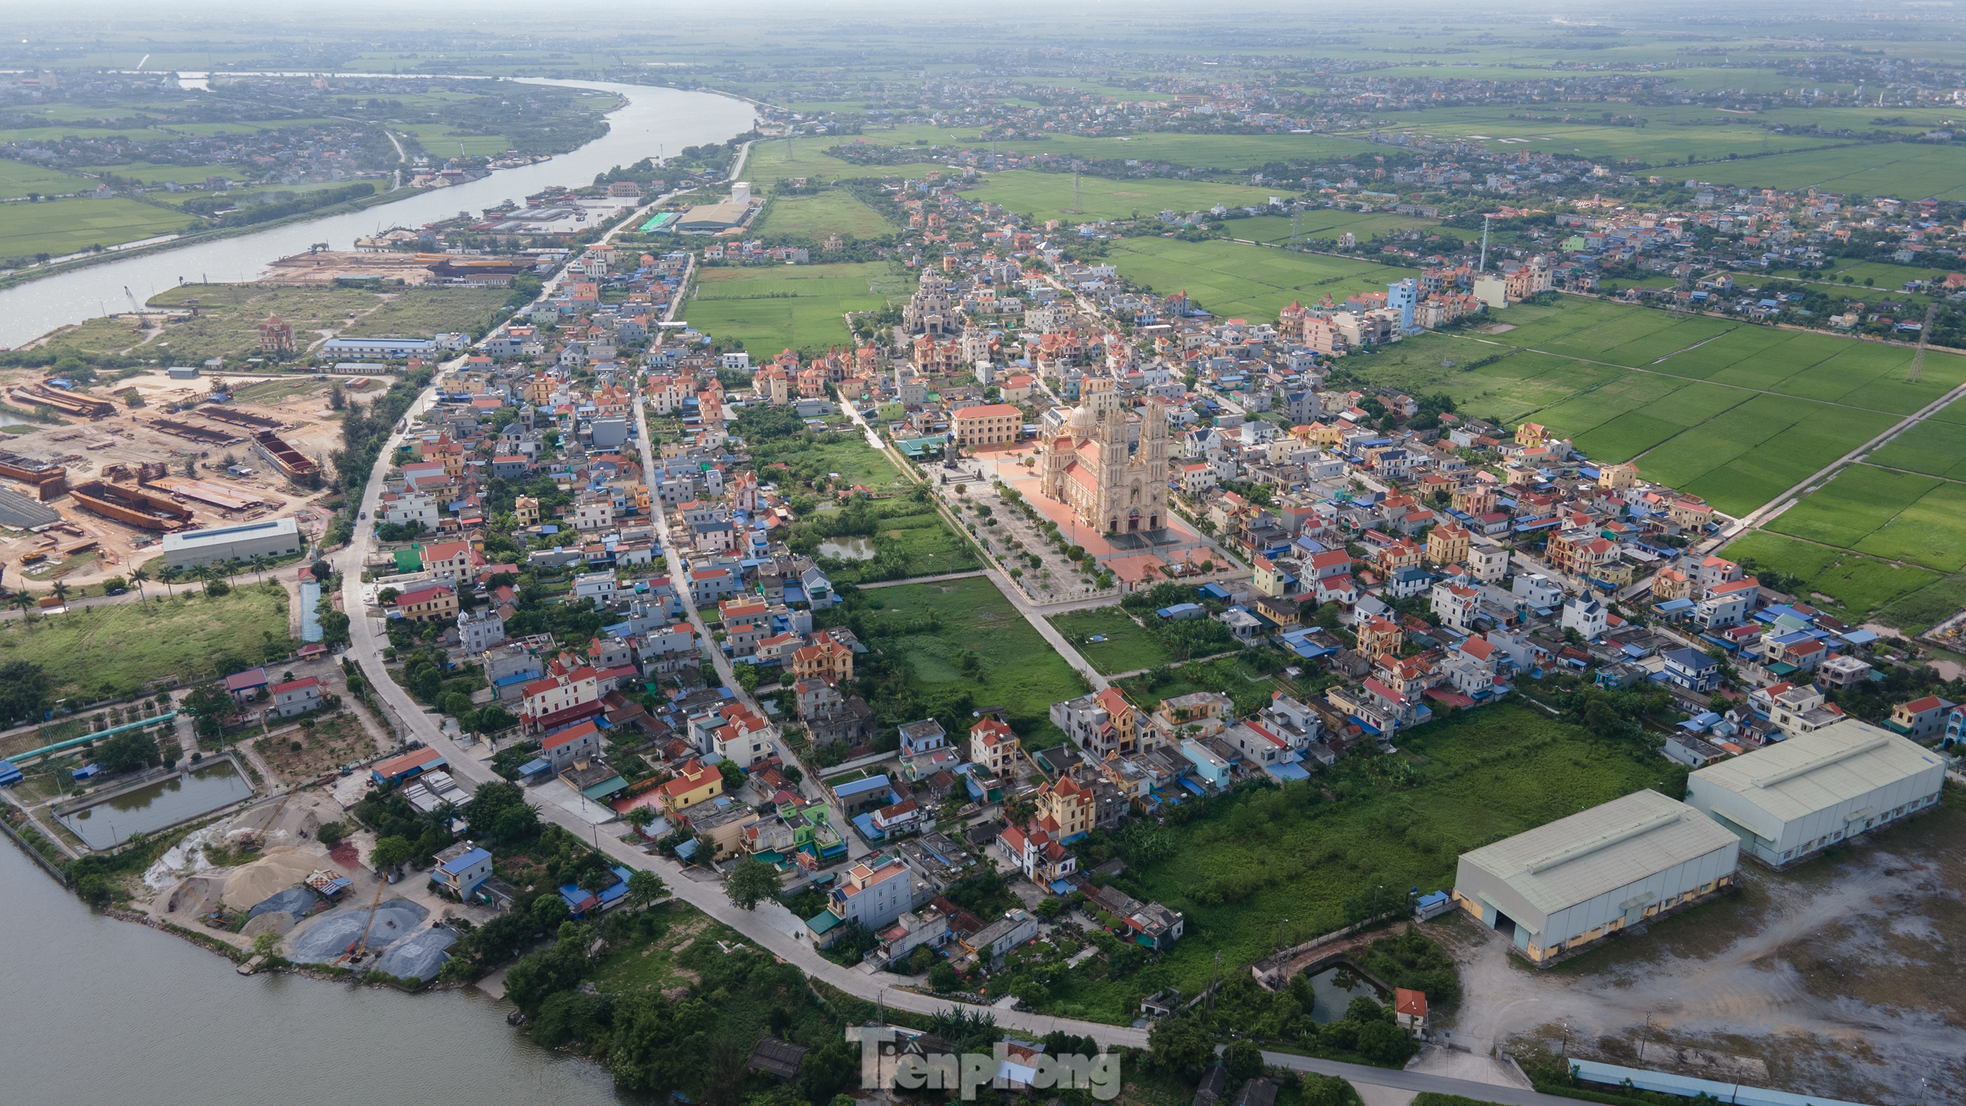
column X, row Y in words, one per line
column 1018, row 670
column 816, row 217
column 1127, row 647
column 1282, row 861
column 1231, row 279
column 441, row 142
column 775, row 161
column 788, row 307
column 60, row 227
column 102, row 650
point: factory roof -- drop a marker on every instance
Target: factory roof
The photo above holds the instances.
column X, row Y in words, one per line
column 220, row 535
column 1573, row 860
column 1810, row 772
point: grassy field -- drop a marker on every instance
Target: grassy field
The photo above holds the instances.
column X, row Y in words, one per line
column 816, row 217
column 847, row 454
column 1274, row 862
column 772, row 162
column 1226, row 278
column 1046, row 195
column 1326, row 223
column 114, row 649
column 1127, row 646
column 1017, row 669
column 439, row 139
column 792, row 307
column 58, row 227
column 1852, row 586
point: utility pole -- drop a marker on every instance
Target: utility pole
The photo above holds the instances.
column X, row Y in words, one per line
column 1484, row 246
column 1296, row 227
column 1075, row 189
column 1214, row 978
column 1924, row 336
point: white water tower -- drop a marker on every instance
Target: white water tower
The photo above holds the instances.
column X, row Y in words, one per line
column 740, row 192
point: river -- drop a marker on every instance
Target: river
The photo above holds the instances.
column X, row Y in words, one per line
column 111, row 1012
column 664, row 118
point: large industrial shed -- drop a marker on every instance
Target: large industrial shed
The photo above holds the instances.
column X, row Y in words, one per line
column 1560, row 887
column 1811, row 791
column 272, row 537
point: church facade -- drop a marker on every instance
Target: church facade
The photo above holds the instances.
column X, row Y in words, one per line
column 1109, row 466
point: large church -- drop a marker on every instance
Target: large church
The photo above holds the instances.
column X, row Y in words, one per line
column 1109, row 466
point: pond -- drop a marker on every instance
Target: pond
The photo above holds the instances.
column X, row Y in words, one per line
column 848, row 549
column 164, row 803
column 1336, row 987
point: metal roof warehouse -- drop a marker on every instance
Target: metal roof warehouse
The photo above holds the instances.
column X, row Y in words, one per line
column 1562, row 886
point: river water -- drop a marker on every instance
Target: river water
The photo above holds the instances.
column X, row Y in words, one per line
column 663, row 119
column 102, row 1011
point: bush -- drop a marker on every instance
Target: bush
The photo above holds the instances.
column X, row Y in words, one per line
column 331, row 833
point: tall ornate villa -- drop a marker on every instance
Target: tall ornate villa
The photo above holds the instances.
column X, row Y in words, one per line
column 1108, row 466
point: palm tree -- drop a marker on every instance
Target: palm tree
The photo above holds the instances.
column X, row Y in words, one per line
column 61, row 592
column 139, row 576
column 26, row 604
column 259, row 565
column 208, row 572
column 169, row 577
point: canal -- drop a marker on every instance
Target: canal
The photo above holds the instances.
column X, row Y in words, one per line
column 104, row 1011
column 655, row 119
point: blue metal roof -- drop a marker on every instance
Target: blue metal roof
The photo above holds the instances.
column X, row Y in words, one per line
column 861, row 787
column 1739, row 1094
column 465, row 861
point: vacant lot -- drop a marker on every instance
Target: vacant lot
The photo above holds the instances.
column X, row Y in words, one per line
column 301, row 754
column 790, row 307
column 1277, row 864
column 1014, row 666
column 815, row 217
column 114, row 649
column 229, row 315
column 1127, row 646
column 1228, row 278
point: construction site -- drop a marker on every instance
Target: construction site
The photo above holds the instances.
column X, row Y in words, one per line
column 89, row 496
column 413, row 269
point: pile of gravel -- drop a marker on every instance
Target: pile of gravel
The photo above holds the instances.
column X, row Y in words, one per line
column 324, row 941
column 296, row 900
column 419, row 957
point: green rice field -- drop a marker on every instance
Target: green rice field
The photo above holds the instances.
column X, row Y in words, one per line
column 60, row 227
column 1734, row 412
column 1047, row 195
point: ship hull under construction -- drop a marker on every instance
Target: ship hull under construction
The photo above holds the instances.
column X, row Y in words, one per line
column 130, row 506
column 285, row 457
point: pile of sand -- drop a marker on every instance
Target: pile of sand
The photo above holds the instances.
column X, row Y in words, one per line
column 273, row 921
column 276, row 870
column 290, row 820
column 196, row 895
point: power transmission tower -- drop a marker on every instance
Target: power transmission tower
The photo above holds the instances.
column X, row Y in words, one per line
column 1484, row 246
column 1924, row 336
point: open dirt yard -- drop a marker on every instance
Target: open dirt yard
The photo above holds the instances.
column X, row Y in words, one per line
column 1841, row 977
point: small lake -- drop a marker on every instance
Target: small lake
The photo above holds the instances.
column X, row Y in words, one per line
column 1336, row 987
column 164, row 803
column 848, row 549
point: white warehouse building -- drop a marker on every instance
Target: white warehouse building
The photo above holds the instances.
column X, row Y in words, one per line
column 1578, row 880
column 1787, row 801
column 272, row 537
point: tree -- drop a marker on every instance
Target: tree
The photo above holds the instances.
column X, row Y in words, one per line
column 259, row 566
column 209, row 705
column 25, row 689
column 644, row 887
column 516, row 822
column 1382, row 1043
column 641, row 816
column 1179, row 1043
column 390, row 852
column 1243, row 1060
column 61, row 592
column 750, row 883
column 139, row 576
column 127, row 752
column 331, row 833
